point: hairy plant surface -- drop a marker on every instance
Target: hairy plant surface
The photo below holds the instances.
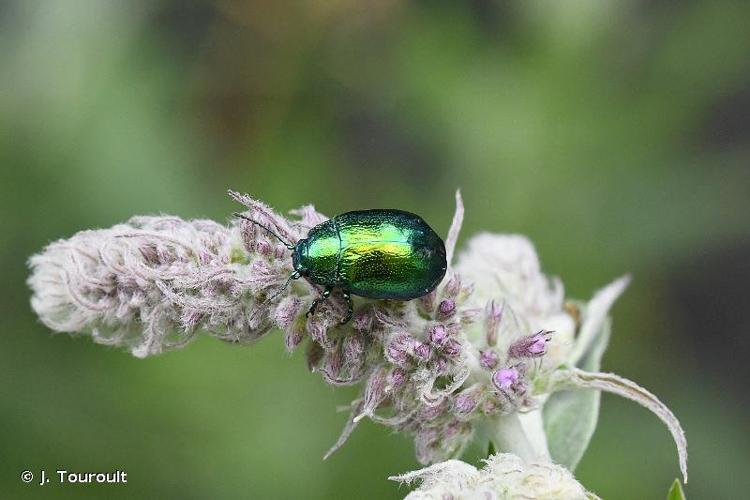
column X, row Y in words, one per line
column 496, row 352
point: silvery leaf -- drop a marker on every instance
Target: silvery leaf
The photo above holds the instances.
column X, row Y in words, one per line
column 570, row 417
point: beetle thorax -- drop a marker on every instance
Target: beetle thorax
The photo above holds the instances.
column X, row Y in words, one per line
column 316, row 258
column 299, row 254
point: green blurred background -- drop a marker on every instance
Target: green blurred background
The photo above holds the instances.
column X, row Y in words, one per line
column 614, row 134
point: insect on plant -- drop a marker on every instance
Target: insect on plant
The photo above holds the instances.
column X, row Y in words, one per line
column 378, row 254
column 445, row 371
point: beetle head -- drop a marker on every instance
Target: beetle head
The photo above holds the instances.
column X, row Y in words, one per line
column 299, row 257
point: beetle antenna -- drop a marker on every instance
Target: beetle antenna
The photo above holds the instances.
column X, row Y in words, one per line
column 295, row 275
column 288, row 245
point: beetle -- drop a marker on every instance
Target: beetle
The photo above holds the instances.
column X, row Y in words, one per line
column 378, row 254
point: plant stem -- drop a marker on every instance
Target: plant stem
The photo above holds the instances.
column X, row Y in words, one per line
column 509, row 436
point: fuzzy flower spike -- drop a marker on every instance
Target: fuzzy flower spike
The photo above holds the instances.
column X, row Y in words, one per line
column 495, row 352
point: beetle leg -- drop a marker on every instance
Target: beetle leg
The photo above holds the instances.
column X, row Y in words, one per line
column 349, row 307
column 322, row 298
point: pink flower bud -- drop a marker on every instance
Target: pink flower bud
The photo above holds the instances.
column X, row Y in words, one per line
column 375, row 393
column 452, row 348
column 332, row 367
column 427, row 413
column 438, row 335
column 363, row 321
column 317, row 327
column 354, row 352
column 537, row 348
column 427, row 302
column 287, row 311
column 421, row 350
column 397, row 350
column 263, row 247
column 453, row 286
column 493, row 317
column 465, row 403
column 488, row 359
column 446, row 308
column 505, row 378
column 441, row 366
column 397, row 377
column 532, row 346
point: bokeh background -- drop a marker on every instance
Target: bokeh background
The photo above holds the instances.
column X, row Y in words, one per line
column 614, row 134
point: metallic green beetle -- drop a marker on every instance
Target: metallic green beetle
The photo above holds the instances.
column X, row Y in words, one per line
column 380, row 254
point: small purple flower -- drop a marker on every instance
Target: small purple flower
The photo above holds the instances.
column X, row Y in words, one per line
column 438, row 335
column 396, row 355
column 397, row 350
column 452, row 348
column 421, row 350
column 447, row 307
column 427, row 413
column 488, row 359
column 317, row 327
column 505, row 379
column 453, row 286
column 287, row 311
column 427, row 302
column 470, row 315
column 441, row 366
column 354, row 352
column 363, row 321
column 537, row 348
column 375, row 392
column 465, row 403
column 531, row 346
column 396, row 378
column 263, row 247
column 331, row 368
column 388, row 318
column 493, row 318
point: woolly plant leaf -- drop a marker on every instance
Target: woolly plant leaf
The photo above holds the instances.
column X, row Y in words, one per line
column 570, row 417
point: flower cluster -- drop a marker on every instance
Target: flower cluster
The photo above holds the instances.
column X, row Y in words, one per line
column 491, row 341
column 503, row 476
